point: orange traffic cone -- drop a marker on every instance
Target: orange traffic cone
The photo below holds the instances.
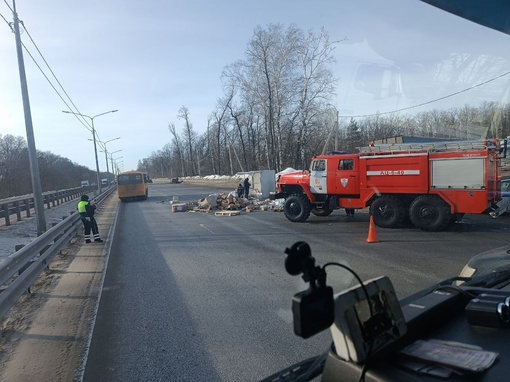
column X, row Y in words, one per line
column 372, row 235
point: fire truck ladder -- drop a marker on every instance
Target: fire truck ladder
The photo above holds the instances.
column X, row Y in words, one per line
column 427, row 147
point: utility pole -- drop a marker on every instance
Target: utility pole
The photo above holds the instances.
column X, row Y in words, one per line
column 32, row 152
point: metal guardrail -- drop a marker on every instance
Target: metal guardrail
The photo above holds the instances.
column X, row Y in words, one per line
column 19, row 204
column 19, row 270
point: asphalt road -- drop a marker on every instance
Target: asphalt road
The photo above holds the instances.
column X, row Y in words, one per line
column 196, row 297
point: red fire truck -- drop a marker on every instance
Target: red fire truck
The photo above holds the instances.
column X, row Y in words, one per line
column 430, row 185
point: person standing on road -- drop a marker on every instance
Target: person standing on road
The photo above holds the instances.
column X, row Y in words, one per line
column 86, row 211
column 246, row 185
column 240, row 191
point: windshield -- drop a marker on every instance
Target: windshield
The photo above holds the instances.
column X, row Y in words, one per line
column 130, row 179
column 196, row 97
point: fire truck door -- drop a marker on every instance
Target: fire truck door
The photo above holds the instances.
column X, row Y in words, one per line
column 346, row 179
column 318, row 176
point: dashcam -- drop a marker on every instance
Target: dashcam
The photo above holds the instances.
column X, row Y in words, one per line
column 313, row 311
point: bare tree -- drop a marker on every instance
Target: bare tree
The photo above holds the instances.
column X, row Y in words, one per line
column 14, row 179
column 219, row 116
column 176, row 141
column 315, row 83
column 271, row 58
column 189, row 138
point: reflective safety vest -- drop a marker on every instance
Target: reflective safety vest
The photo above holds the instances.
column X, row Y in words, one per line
column 82, row 207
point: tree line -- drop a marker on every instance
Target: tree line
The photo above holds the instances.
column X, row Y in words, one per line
column 56, row 172
column 276, row 112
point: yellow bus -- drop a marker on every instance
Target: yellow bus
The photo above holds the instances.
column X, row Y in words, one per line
column 132, row 185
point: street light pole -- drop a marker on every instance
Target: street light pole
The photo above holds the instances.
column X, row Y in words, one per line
column 97, row 162
column 117, row 163
column 111, row 159
column 94, row 138
column 106, row 158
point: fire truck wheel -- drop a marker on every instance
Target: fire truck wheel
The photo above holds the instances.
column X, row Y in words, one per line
column 388, row 211
column 297, row 208
column 430, row 213
column 321, row 212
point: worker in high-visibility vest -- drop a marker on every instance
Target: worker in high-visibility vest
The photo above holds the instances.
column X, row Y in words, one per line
column 86, row 211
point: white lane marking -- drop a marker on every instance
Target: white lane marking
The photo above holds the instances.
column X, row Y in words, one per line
column 204, row 227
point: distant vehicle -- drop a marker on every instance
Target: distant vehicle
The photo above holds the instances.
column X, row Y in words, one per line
column 85, row 183
column 132, row 185
column 104, row 182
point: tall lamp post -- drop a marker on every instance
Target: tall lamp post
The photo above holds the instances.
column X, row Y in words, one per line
column 118, row 163
column 106, row 158
column 94, row 138
column 111, row 160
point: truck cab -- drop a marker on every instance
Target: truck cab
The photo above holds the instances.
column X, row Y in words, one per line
column 335, row 175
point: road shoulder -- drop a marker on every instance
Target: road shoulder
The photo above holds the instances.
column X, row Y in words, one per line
column 46, row 335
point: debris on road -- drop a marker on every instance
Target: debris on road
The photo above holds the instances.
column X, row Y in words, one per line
column 223, row 202
column 227, row 213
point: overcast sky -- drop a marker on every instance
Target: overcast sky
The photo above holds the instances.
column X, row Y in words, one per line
column 148, row 58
